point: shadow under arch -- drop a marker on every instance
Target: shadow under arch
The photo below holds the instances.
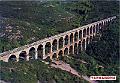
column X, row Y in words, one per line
column 23, row 56
column 66, row 51
column 60, row 55
column 12, row 58
column 32, row 53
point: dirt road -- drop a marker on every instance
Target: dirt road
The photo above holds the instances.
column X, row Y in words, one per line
column 66, row 67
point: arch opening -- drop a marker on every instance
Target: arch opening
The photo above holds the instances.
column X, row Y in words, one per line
column 66, row 39
column 102, row 24
column 66, row 51
column 87, row 31
column 91, row 30
column 94, row 29
column 83, row 45
column 80, row 34
column 22, row 56
column 47, row 48
column 54, row 45
column 97, row 28
column 100, row 27
column 71, row 38
column 61, row 42
column 71, row 50
column 76, row 36
column 79, row 47
column 60, row 55
column 54, row 57
column 12, row 58
column 75, row 49
column 91, row 38
column 32, row 53
column 84, row 33
column 40, row 51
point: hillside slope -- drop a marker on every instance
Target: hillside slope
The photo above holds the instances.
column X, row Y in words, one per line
column 26, row 22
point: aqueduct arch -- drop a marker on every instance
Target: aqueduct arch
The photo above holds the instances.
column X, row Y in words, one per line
column 88, row 31
column 54, row 56
column 54, row 45
column 32, row 53
column 80, row 34
column 66, row 39
column 84, row 33
column 91, row 30
column 94, row 29
column 71, row 49
column 23, row 56
column 75, row 48
column 97, row 28
column 71, row 38
column 76, row 36
column 61, row 42
column 48, row 48
column 83, row 45
column 66, row 51
column 40, row 51
column 79, row 47
column 12, row 58
column 60, row 54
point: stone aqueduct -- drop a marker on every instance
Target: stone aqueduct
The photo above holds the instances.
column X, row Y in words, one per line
column 59, row 45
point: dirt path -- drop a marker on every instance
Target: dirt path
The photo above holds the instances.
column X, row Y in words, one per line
column 66, row 67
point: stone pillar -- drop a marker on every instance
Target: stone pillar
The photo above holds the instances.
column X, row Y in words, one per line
column 86, row 32
column 36, row 53
column 73, row 37
column 5, row 58
column 27, row 57
column 73, row 48
column 17, row 59
column 51, row 51
column 82, row 45
column 78, row 35
column 57, row 44
column 51, row 56
column 85, row 44
column 63, row 52
column 95, row 30
column 57, row 55
column 92, row 30
column 69, row 39
column 51, row 47
column 89, row 31
column 77, row 47
column 82, row 33
column 17, row 56
column 43, row 51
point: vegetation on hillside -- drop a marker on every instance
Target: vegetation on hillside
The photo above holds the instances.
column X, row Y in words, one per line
column 33, row 71
column 44, row 19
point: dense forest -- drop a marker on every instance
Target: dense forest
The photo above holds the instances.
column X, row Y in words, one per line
column 44, row 19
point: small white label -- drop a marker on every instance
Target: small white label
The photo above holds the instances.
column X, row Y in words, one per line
column 102, row 77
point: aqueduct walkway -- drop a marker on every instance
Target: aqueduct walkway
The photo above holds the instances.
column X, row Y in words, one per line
column 59, row 45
